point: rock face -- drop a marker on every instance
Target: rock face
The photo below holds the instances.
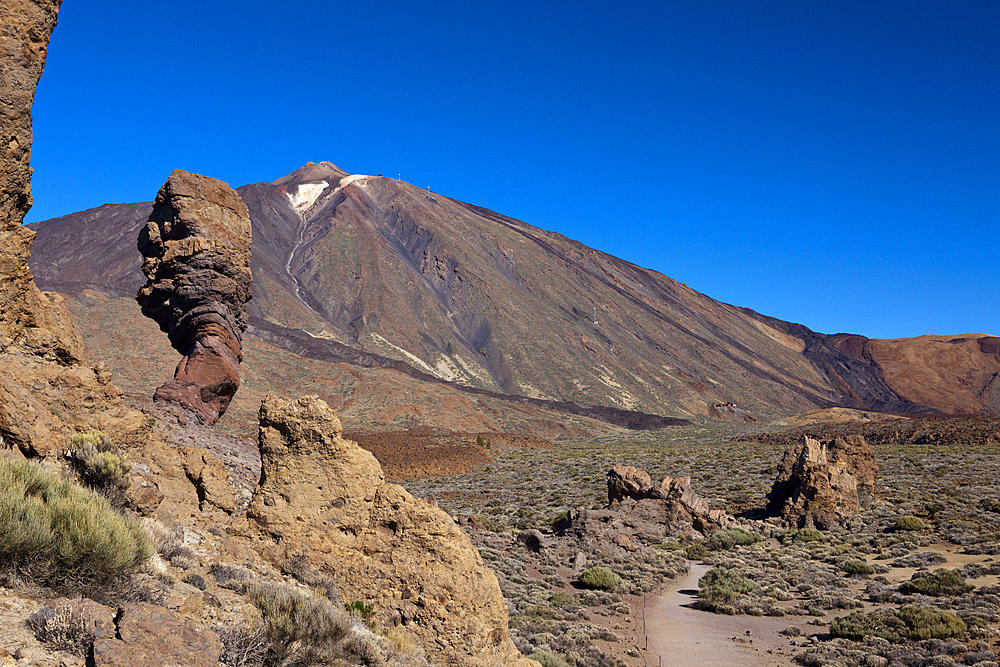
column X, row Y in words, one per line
column 196, row 246
column 325, row 498
column 141, row 634
column 30, row 321
column 823, row 483
column 680, row 509
column 641, row 513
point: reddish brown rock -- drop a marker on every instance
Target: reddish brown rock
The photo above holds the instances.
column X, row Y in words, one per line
column 196, row 246
column 823, row 483
column 151, row 635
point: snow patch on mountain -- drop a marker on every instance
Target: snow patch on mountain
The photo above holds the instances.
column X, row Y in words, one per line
column 306, row 194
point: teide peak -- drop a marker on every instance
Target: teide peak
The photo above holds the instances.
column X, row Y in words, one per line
column 375, row 271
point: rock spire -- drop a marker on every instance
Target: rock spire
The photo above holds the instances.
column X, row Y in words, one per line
column 196, row 249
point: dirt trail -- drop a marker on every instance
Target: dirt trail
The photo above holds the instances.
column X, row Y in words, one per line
column 682, row 635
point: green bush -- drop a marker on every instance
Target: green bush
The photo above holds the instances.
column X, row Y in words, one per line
column 935, row 584
column 601, row 578
column 547, row 659
column 720, row 588
column 909, row 523
column 724, row 540
column 696, row 551
column 857, row 567
column 802, row 535
column 906, row 623
column 100, row 465
column 564, row 599
column 61, row 534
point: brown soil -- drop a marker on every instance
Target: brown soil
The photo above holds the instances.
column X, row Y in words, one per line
column 427, row 452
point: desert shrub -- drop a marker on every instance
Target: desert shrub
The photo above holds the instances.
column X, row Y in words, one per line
column 560, row 521
column 991, row 505
column 169, row 543
column 547, row 659
column 802, row 535
column 233, row 577
column 62, row 629
column 100, row 465
column 696, row 551
column 298, row 566
column 721, row 587
column 564, row 599
column 404, row 650
column 857, row 567
column 906, row 623
column 243, row 645
column 937, row 583
column 669, row 545
column 601, row 578
column 301, row 629
column 909, row 523
column 61, row 534
column 363, row 611
column 724, row 540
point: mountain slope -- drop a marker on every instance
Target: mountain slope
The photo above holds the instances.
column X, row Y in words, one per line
column 471, row 296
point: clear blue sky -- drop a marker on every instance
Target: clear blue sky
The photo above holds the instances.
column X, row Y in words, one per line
column 836, row 164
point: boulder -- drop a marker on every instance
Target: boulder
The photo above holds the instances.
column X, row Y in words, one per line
column 641, row 513
column 324, row 498
column 822, row 483
column 196, row 249
column 683, row 510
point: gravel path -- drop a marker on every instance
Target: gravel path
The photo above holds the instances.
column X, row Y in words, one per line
column 682, row 635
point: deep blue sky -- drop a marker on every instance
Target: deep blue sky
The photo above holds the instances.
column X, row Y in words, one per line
column 836, row 164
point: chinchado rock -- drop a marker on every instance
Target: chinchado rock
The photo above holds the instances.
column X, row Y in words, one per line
column 196, row 250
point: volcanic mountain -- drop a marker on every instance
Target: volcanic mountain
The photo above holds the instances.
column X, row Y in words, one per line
column 373, row 271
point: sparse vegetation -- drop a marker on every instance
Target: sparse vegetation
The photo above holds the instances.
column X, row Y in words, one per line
column 899, row 625
column 909, row 523
column 858, row 568
column 600, row 578
column 721, row 588
column 939, row 582
column 62, row 535
column 727, row 539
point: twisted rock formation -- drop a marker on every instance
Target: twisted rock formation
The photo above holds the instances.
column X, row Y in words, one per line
column 324, row 497
column 196, row 249
column 823, row 483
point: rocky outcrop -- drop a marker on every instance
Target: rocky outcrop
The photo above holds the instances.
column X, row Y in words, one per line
column 641, row 513
column 324, row 498
column 30, row 322
column 685, row 510
column 140, row 634
column 196, row 246
column 823, row 483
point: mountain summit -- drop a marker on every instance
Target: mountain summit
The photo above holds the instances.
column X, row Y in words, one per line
column 466, row 295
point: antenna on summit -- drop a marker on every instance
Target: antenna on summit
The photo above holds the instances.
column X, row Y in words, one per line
column 595, row 316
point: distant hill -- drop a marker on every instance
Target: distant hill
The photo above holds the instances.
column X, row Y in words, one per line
column 368, row 269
